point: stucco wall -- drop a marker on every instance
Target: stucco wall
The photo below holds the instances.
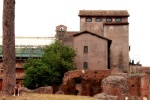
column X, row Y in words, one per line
column 119, row 49
column 97, row 27
column 97, row 51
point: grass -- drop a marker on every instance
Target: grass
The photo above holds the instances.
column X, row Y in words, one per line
column 35, row 96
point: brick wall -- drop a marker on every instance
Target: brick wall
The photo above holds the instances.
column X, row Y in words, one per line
column 87, row 83
column 0, row 84
column 134, row 85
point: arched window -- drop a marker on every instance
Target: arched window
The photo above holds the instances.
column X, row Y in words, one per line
column 118, row 20
column 108, row 20
column 88, row 19
column 61, row 29
column 98, row 19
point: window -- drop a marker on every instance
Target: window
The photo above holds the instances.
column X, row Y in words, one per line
column 61, row 29
column 85, row 49
column 108, row 20
column 98, row 19
column 85, row 65
column 118, row 20
column 88, row 20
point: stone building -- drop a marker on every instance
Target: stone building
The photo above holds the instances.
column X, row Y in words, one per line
column 103, row 39
column 101, row 44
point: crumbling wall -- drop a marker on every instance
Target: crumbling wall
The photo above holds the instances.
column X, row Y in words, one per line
column 42, row 90
column 145, row 70
column 145, row 83
column 134, row 84
column 80, row 82
column 115, row 86
column 91, row 83
column 71, row 74
column 69, row 81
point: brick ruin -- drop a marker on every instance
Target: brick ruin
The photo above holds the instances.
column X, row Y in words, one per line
column 98, row 78
column 83, row 82
column 107, row 84
column 104, row 84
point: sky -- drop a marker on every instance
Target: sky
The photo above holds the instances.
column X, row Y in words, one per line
column 39, row 18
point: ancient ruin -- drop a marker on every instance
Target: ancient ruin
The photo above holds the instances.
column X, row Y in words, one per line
column 102, row 61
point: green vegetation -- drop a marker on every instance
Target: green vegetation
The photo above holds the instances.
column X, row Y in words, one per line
column 56, row 60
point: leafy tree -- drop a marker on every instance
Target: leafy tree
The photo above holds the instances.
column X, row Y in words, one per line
column 59, row 58
column 49, row 70
column 37, row 74
column 9, row 61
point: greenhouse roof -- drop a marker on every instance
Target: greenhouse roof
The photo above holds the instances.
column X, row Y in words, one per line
column 27, row 51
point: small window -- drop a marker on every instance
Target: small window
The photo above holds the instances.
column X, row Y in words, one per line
column 118, row 20
column 88, row 20
column 98, row 19
column 61, row 29
column 108, row 20
column 85, row 65
column 85, row 49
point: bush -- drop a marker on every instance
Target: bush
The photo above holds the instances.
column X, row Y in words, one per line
column 56, row 60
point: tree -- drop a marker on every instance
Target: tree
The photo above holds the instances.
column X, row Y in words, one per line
column 37, row 74
column 49, row 70
column 9, row 69
column 59, row 58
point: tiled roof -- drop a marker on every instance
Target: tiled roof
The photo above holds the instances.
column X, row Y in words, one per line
column 92, row 34
column 103, row 13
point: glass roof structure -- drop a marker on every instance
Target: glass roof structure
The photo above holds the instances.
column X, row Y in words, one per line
column 27, row 51
column 27, row 47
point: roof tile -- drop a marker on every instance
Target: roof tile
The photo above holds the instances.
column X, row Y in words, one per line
column 103, row 13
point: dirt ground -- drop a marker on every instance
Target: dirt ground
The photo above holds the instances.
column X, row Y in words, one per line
column 35, row 96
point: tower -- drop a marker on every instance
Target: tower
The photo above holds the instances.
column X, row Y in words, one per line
column 61, row 31
column 111, row 24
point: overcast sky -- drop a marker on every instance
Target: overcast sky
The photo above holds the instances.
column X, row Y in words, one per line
column 40, row 17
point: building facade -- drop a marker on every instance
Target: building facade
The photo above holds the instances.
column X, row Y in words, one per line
column 25, row 47
column 103, row 39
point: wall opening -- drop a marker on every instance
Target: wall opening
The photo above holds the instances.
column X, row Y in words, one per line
column 77, row 81
column 145, row 98
column 76, row 92
column 126, row 98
